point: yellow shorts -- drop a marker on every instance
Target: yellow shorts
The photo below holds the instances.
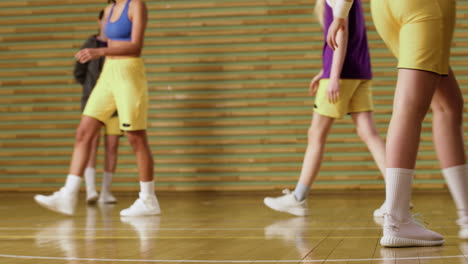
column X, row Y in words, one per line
column 122, row 86
column 418, row 32
column 112, row 127
column 355, row 97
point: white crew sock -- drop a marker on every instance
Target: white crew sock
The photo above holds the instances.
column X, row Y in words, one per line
column 398, row 183
column 457, row 181
column 72, row 184
column 147, row 188
column 90, row 179
column 301, row 191
column 106, row 181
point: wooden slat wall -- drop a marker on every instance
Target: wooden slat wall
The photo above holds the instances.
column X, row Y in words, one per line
column 228, row 85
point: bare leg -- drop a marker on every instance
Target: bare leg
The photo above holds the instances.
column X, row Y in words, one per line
column 367, row 131
column 296, row 203
column 317, row 135
column 447, row 107
column 111, row 145
column 93, row 151
column 413, row 96
column 87, row 130
column 412, row 100
column 65, row 200
column 147, row 204
column 139, row 142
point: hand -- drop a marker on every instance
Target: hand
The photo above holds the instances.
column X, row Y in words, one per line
column 337, row 25
column 333, row 91
column 314, row 84
column 86, row 55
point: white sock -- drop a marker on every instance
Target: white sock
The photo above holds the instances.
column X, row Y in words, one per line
column 457, row 181
column 90, row 176
column 398, row 183
column 301, row 191
column 72, row 184
column 147, row 188
column 106, row 181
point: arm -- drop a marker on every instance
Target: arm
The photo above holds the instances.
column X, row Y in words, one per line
column 314, row 84
column 82, row 68
column 337, row 64
column 139, row 15
column 340, row 13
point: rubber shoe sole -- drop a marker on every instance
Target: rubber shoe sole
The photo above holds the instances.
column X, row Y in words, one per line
column 389, row 241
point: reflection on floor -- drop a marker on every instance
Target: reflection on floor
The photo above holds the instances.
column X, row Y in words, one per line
column 220, row 228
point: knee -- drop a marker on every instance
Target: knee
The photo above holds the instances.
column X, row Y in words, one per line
column 137, row 140
column 84, row 135
column 367, row 133
column 452, row 111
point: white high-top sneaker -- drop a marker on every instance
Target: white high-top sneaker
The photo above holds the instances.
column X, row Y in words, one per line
column 143, row 206
column 62, row 201
column 287, row 203
column 408, row 234
column 107, row 197
column 463, row 223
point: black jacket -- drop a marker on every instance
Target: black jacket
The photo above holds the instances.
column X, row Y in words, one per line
column 88, row 73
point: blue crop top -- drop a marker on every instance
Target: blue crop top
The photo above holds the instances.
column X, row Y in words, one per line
column 120, row 30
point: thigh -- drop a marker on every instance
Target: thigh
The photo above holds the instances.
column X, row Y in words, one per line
column 101, row 102
column 448, row 97
column 131, row 96
column 361, row 100
column 426, row 34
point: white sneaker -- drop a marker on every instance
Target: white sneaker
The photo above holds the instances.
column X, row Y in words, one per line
column 61, row 201
column 463, row 223
column 91, row 196
column 379, row 212
column 107, row 197
column 287, row 204
column 143, row 206
column 408, row 234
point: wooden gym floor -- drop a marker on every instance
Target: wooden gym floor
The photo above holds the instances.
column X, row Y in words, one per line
column 220, row 228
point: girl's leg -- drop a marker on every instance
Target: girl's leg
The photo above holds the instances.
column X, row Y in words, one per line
column 147, row 204
column 367, row 131
column 65, row 200
column 88, row 129
column 90, row 171
column 316, row 137
column 295, row 203
column 447, row 107
column 413, row 96
column 111, row 146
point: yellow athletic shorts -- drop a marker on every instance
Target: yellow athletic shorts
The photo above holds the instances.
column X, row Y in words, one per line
column 418, row 32
column 112, row 127
column 355, row 97
column 122, row 86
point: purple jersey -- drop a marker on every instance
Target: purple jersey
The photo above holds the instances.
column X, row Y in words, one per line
column 356, row 64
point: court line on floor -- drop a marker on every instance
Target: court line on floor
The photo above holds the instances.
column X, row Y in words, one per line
column 225, row 261
column 208, row 229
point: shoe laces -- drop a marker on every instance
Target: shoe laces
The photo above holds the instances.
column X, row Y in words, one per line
column 286, row 191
